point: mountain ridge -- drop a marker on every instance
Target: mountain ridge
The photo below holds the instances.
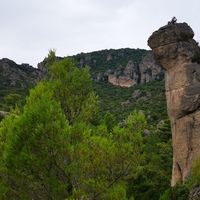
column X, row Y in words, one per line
column 134, row 65
column 108, row 70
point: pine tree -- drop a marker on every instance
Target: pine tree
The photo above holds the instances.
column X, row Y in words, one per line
column 52, row 151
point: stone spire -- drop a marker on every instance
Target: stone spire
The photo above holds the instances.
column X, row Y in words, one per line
column 175, row 49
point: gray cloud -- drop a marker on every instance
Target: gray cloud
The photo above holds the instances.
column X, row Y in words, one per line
column 29, row 28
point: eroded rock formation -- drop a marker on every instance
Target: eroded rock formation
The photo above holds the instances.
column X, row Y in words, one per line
column 18, row 76
column 179, row 54
column 148, row 70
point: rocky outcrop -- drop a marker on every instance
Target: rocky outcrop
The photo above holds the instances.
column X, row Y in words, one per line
column 148, row 70
column 125, row 77
column 122, row 67
column 3, row 113
column 195, row 193
column 179, row 54
column 20, row 76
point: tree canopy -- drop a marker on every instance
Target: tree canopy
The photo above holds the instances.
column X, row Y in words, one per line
column 52, row 150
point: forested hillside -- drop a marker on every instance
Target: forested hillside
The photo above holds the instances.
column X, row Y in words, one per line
column 148, row 96
column 124, row 67
column 74, row 138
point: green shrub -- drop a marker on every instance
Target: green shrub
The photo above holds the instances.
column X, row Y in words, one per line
column 195, row 177
column 178, row 192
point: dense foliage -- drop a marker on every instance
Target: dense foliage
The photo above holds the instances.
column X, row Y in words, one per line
column 118, row 100
column 52, row 151
column 67, row 143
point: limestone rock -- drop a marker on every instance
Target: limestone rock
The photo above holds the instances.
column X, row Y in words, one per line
column 136, row 94
column 175, row 49
column 42, row 66
column 149, row 69
column 132, row 74
column 147, row 132
column 160, row 123
column 21, row 76
column 109, row 57
column 122, row 67
column 4, row 113
column 125, row 77
column 195, row 193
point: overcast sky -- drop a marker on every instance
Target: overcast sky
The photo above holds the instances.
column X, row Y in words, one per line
column 29, row 28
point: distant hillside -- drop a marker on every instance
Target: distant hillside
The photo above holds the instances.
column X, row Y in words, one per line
column 135, row 69
column 138, row 73
column 111, row 134
column 124, row 67
column 15, row 78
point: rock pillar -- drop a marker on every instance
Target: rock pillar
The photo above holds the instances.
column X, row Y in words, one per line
column 175, row 49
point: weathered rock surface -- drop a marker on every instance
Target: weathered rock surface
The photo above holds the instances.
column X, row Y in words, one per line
column 175, row 49
column 195, row 193
column 122, row 67
column 148, row 70
column 21, row 76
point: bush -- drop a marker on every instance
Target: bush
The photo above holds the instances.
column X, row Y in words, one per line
column 178, row 192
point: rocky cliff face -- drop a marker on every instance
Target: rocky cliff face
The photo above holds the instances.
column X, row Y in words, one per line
column 174, row 47
column 123, row 67
column 144, row 72
column 20, row 76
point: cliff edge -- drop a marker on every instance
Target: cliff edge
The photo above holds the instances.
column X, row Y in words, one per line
column 175, row 49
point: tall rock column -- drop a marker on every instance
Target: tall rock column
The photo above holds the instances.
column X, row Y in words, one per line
column 175, row 49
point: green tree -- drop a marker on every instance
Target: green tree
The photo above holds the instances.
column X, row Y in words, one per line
column 153, row 176
column 105, row 160
column 72, row 87
column 33, row 153
column 52, row 151
column 11, row 101
column 51, row 59
column 109, row 120
column 37, row 141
